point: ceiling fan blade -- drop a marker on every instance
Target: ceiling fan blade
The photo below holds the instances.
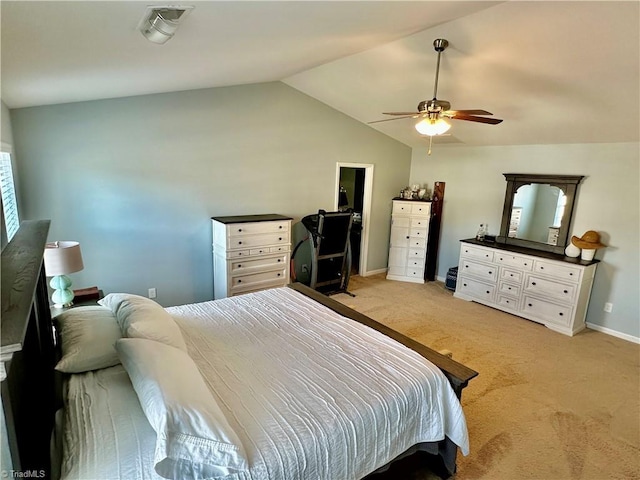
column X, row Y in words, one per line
column 468, row 112
column 401, row 113
column 472, row 118
column 414, row 115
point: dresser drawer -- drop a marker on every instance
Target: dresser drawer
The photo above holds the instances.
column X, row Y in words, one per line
column 509, row 289
column 257, row 279
column 416, row 263
column 561, row 272
column 416, row 242
column 421, row 209
column 511, row 275
column 238, row 253
column 547, row 311
column 476, row 289
column 416, row 253
column 259, row 241
column 418, row 232
column 401, row 208
column 482, row 271
column 538, row 285
column 415, row 272
column 251, row 228
column 477, row 253
column 525, row 263
column 507, row 302
column 261, row 263
column 419, row 222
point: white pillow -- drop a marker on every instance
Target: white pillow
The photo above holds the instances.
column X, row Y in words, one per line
column 141, row 317
column 194, row 439
column 88, row 336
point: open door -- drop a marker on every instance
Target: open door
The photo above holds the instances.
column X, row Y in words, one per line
column 353, row 193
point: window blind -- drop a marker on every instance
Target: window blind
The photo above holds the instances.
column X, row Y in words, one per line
column 7, row 188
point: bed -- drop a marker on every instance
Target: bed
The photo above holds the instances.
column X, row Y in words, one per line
column 300, row 387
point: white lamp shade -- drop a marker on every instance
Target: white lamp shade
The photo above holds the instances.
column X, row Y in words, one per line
column 431, row 127
column 61, row 258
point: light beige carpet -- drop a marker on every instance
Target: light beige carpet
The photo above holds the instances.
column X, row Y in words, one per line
column 545, row 405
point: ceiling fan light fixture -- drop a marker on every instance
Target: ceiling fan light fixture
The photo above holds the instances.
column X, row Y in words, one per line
column 432, row 126
column 160, row 23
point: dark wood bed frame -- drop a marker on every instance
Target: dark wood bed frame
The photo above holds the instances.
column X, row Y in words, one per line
column 29, row 393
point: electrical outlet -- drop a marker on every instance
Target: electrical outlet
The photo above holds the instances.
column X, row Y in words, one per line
column 305, row 268
column 608, row 307
column 152, row 292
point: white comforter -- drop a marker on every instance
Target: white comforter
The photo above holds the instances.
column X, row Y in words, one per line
column 311, row 394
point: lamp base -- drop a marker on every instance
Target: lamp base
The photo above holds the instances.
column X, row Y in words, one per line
column 62, row 294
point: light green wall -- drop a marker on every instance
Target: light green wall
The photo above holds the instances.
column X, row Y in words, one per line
column 136, row 180
column 608, row 201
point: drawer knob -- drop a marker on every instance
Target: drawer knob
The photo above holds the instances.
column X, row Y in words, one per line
column 571, row 274
column 280, row 227
column 464, row 284
column 279, row 260
column 541, row 268
column 490, row 272
column 279, row 238
column 239, row 280
column 566, row 291
column 239, row 243
column 239, row 265
column 533, row 283
column 487, row 255
column 466, row 266
column 530, row 304
column 488, row 292
column 279, row 274
column 561, row 314
column 239, row 230
column 511, row 275
column 407, row 236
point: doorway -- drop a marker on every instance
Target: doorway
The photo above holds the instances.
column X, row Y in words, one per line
column 354, row 183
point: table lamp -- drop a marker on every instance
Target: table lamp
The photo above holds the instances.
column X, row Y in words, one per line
column 60, row 259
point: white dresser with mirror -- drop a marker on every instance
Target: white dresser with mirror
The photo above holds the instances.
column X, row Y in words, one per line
column 525, row 272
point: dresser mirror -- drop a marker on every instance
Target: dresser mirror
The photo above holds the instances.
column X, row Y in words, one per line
column 538, row 210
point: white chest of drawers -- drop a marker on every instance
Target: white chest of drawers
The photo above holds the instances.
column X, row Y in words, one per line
column 547, row 290
column 408, row 241
column 250, row 253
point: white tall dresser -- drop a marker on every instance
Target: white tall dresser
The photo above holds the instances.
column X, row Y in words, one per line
column 408, row 240
column 250, row 253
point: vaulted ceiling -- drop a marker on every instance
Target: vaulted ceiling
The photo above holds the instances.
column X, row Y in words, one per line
column 556, row 72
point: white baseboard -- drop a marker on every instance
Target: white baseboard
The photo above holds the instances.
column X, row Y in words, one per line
column 613, row 333
column 372, row 272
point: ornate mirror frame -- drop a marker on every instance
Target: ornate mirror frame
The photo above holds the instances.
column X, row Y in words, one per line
column 567, row 183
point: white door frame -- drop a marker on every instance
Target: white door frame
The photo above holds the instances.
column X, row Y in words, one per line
column 366, row 207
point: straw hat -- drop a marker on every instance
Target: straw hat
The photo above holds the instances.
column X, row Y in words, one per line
column 590, row 240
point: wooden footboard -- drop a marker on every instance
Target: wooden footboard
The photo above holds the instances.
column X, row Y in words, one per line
column 457, row 373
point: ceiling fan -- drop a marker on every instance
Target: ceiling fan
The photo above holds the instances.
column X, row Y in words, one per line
column 433, row 112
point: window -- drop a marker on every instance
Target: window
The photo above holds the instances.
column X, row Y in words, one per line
column 7, row 188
